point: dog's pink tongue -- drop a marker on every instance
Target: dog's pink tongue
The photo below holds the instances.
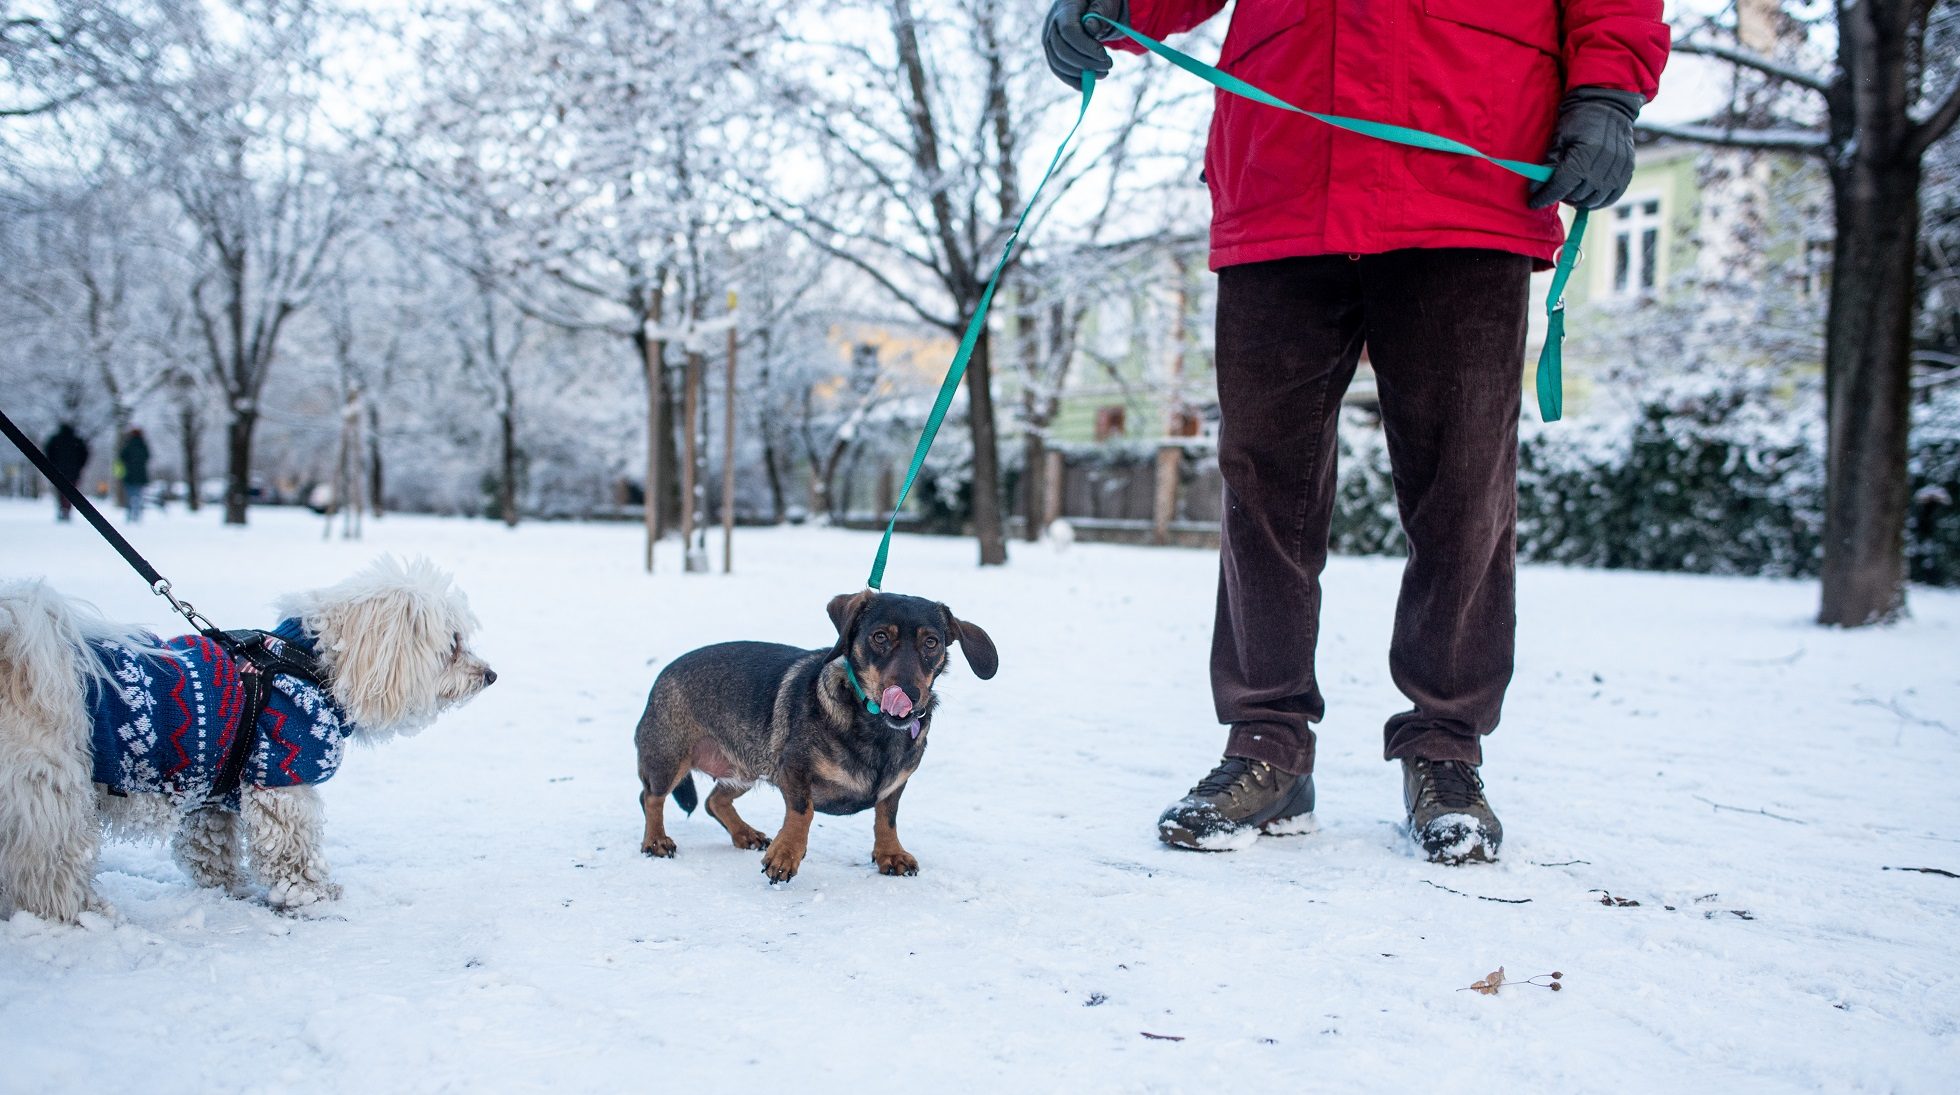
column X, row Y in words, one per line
column 895, row 702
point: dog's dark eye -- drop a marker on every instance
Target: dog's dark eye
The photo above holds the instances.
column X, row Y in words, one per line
column 880, row 638
column 931, row 644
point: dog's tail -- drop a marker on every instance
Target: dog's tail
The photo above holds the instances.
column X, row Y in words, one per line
column 684, row 793
column 42, row 662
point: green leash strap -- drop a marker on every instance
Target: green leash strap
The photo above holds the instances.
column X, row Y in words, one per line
column 870, row 704
column 1551, row 400
column 951, row 385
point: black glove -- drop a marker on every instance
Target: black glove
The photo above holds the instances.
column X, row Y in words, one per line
column 1592, row 149
column 1072, row 47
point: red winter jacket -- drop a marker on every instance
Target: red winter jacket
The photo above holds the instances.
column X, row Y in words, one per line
column 1486, row 72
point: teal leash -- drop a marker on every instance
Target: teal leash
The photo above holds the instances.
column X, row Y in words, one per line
column 1550, row 360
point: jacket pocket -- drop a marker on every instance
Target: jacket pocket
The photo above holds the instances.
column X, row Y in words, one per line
column 1255, row 23
column 1533, row 23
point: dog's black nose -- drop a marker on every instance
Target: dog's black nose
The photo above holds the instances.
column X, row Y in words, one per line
column 489, row 677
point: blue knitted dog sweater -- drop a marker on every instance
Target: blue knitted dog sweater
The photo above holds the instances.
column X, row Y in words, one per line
column 169, row 721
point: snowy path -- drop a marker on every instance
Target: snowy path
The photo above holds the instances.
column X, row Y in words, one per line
column 500, row 930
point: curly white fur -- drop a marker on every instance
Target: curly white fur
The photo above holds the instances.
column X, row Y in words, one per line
column 394, row 640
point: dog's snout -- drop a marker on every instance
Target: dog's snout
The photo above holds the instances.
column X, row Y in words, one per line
column 489, row 676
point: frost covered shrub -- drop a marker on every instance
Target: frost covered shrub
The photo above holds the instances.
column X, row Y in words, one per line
column 1718, row 475
column 1366, row 521
column 1933, row 516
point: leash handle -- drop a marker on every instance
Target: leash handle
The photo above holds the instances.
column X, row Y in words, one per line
column 1551, row 399
column 951, row 385
column 159, row 585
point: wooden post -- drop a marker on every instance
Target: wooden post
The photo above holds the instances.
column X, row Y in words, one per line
column 691, row 415
column 1169, row 457
column 654, row 350
column 1053, row 483
column 728, row 453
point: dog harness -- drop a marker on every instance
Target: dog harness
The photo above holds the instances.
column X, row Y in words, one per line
column 171, row 722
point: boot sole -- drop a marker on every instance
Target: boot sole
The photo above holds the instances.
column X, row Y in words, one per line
column 1295, row 824
column 1177, row 836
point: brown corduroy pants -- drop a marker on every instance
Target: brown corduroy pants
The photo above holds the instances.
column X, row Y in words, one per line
column 1445, row 332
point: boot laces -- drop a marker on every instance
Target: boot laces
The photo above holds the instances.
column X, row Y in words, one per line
column 1453, row 784
column 1230, row 772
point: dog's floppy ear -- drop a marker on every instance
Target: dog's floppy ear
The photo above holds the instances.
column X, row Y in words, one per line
column 975, row 643
column 844, row 610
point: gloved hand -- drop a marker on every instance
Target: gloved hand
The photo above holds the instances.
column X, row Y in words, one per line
column 1072, row 47
column 1592, row 149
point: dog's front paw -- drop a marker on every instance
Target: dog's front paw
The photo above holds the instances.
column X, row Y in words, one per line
column 781, row 861
column 287, row 895
column 898, row 861
column 660, row 847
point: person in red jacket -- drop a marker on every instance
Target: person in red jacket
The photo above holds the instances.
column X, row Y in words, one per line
column 1326, row 242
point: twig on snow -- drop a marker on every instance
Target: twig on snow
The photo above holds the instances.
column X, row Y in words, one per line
column 1923, row 870
column 1899, row 709
column 1480, row 897
column 1745, row 810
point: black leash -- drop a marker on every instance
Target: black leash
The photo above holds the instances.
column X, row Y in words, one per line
column 258, row 662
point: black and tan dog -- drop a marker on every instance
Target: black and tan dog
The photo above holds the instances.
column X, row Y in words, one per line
column 837, row 730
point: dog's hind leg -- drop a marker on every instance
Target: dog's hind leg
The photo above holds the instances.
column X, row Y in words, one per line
column 282, row 837
column 208, row 846
column 665, row 754
column 721, row 807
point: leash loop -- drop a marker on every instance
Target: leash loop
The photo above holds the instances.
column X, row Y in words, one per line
column 1550, row 382
column 1550, row 397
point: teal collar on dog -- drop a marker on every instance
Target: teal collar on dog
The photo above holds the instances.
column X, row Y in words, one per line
column 870, row 704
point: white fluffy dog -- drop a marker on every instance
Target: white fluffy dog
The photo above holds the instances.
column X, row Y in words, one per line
column 105, row 730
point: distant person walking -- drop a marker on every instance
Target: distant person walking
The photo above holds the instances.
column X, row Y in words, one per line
column 133, row 460
column 69, row 454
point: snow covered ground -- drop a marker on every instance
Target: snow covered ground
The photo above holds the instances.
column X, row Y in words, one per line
column 1690, row 744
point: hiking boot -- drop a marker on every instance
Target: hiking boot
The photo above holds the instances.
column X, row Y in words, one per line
column 1447, row 812
column 1240, row 799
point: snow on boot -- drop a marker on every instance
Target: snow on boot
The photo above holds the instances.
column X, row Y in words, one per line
column 1240, row 799
column 1448, row 815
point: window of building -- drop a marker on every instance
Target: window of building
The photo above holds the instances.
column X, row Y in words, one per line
column 1816, row 268
column 1636, row 246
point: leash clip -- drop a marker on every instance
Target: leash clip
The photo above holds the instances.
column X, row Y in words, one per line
column 184, row 608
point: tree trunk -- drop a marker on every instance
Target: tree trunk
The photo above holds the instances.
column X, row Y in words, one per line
column 238, row 469
column 1034, row 478
column 987, row 526
column 1868, row 372
column 774, row 476
column 374, row 457
column 189, row 433
column 507, row 488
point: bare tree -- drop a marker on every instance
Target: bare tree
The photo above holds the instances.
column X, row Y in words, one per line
column 1881, row 114
column 924, row 146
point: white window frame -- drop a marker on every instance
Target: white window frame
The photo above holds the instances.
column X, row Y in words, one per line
column 1628, row 224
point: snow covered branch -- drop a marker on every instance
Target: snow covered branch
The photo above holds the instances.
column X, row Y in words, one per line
column 1928, row 130
column 1756, row 62
column 1801, row 141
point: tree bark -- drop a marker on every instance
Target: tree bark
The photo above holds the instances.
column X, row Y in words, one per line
column 375, row 478
column 1868, row 353
column 238, row 464
column 987, row 525
column 1875, row 172
column 190, row 434
column 507, row 487
column 1034, row 480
